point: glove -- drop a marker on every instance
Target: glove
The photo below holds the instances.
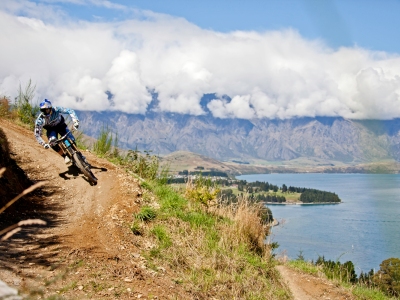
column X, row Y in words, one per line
column 76, row 125
column 46, row 146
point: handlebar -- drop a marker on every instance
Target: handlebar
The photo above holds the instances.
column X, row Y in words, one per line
column 62, row 138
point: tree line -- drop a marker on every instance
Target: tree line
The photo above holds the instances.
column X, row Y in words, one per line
column 266, row 192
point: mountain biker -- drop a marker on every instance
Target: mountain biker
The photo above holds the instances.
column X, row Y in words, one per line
column 52, row 120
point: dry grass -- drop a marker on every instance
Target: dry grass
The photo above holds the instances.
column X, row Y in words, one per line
column 248, row 225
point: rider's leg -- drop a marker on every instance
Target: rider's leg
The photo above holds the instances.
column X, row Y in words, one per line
column 52, row 135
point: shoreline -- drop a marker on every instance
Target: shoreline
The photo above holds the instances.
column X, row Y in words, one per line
column 301, row 203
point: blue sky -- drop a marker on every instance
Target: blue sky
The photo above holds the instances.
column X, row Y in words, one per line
column 369, row 24
column 274, row 59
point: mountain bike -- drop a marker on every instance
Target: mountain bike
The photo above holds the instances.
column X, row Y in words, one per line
column 70, row 149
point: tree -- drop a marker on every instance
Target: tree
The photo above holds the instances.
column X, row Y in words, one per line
column 284, row 188
column 388, row 276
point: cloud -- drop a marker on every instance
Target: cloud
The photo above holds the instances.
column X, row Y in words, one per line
column 272, row 74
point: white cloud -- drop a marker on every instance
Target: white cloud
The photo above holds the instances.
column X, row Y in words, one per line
column 275, row 74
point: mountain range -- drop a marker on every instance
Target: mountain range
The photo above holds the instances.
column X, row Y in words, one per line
column 323, row 139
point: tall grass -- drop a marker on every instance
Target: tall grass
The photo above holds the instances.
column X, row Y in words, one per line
column 146, row 166
column 102, row 147
column 5, row 109
column 25, row 109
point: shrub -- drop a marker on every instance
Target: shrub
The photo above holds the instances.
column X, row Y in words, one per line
column 201, row 190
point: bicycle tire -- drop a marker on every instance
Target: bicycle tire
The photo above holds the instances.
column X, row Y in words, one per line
column 84, row 168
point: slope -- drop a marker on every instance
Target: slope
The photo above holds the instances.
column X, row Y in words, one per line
column 87, row 251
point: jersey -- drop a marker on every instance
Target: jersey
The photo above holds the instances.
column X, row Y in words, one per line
column 52, row 120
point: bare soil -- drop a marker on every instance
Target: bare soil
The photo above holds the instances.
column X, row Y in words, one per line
column 309, row 287
column 87, row 250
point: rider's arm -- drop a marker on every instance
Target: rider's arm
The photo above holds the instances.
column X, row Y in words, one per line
column 69, row 111
column 38, row 130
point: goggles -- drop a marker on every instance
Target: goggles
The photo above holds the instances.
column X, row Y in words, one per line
column 46, row 111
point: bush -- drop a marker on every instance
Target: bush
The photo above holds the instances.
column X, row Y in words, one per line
column 201, row 190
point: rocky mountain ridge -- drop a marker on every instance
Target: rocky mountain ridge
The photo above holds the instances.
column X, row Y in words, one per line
column 323, row 138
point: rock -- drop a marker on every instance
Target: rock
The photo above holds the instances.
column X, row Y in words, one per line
column 7, row 293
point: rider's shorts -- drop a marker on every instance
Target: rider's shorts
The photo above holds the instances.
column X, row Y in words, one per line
column 60, row 129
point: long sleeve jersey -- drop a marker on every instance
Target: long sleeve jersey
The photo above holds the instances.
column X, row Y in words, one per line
column 52, row 120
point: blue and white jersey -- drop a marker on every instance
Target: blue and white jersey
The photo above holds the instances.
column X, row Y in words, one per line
column 52, row 120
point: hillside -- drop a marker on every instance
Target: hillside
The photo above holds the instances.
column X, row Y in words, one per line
column 313, row 142
column 87, row 250
column 84, row 230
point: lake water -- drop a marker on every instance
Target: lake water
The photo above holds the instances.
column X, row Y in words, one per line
column 365, row 228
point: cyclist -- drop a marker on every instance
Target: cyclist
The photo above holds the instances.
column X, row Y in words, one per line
column 52, row 120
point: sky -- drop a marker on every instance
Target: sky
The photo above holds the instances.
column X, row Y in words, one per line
column 260, row 59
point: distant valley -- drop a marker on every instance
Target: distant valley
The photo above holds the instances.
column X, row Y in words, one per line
column 325, row 143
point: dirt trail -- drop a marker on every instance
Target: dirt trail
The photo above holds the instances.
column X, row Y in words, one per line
column 87, row 250
column 309, row 287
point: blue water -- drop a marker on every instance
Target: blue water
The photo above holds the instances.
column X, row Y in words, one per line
column 365, row 228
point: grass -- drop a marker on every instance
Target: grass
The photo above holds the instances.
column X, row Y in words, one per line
column 304, row 266
column 218, row 250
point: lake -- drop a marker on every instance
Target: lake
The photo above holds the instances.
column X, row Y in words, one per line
column 365, row 228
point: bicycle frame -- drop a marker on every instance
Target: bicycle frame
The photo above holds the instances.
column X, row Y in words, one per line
column 67, row 145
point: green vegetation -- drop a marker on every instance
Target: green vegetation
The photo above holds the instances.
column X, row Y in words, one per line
column 26, row 111
column 335, row 270
column 388, row 277
column 203, row 173
column 383, row 285
column 22, row 110
column 146, row 214
column 316, row 196
column 221, row 245
column 265, row 192
column 102, row 146
column 106, row 145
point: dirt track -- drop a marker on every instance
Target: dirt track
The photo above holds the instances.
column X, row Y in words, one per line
column 87, row 250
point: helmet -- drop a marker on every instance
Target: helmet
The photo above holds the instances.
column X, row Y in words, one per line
column 45, row 107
